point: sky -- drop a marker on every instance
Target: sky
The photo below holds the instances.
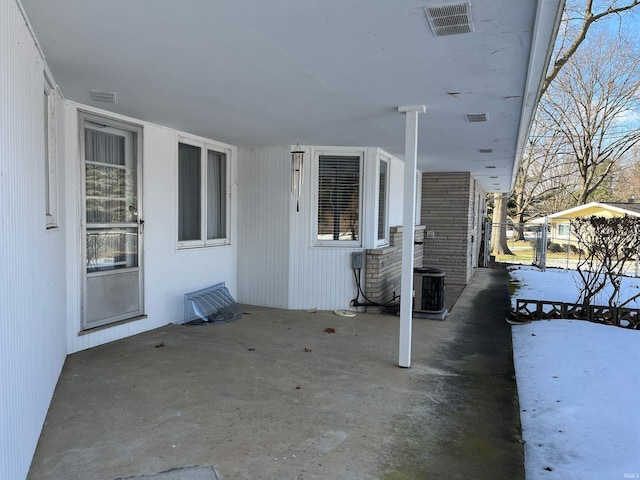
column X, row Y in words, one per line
column 626, row 24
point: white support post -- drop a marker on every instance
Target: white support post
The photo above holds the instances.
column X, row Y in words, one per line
column 408, row 230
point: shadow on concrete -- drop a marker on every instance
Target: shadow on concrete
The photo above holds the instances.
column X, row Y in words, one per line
column 468, row 424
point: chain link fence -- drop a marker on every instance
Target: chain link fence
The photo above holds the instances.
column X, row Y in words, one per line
column 524, row 242
column 543, row 244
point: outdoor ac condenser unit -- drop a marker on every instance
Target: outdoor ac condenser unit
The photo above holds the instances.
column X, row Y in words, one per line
column 428, row 284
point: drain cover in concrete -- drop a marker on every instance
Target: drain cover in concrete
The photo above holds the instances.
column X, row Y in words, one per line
column 208, row 472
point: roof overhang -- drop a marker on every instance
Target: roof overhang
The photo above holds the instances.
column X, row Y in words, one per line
column 326, row 73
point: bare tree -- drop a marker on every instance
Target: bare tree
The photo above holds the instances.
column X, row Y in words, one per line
column 588, row 103
column 627, row 178
column 499, row 231
column 562, row 187
column 580, row 16
column 541, row 176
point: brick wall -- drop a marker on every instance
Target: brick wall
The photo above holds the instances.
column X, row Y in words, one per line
column 452, row 212
column 384, row 265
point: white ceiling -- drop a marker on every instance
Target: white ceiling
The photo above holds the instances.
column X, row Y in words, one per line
column 330, row 72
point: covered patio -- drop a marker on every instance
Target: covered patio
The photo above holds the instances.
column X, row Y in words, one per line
column 153, row 149
column 274, row 395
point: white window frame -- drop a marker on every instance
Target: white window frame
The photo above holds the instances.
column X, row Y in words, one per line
column 385, row 239
column 204, row 148
column 341, row 152
column 50, row 154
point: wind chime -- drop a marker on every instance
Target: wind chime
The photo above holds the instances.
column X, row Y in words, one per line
column 297, row 171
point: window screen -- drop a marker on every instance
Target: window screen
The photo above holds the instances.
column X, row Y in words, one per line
column 339, row 198
column 216, row 195
column 189, row 181
column 382, row 201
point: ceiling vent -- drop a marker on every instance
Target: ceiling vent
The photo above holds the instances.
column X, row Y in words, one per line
column 450, row 19
column 476, row 117
column 104, row 97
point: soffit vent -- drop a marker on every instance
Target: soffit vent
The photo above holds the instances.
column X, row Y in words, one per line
column 476, row 117
column 104, row 97
column 451, row 19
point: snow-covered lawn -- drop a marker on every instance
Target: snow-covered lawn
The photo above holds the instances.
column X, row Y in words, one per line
column 562, row 286
column 579, row 388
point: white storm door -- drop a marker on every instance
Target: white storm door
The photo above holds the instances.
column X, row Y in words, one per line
column 113, row 278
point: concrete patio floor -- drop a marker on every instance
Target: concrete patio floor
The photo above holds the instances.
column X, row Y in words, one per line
column 274, row 396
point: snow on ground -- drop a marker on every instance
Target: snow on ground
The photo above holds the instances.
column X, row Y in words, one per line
column 558, row 285
column 579, row 386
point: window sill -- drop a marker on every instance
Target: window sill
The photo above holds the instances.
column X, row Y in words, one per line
column 111, row 325
column 339, row 245
column 200, row 246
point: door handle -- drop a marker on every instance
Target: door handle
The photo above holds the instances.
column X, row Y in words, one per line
column 141, row 222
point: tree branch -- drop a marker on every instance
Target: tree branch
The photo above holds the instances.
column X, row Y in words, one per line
column 588, row 19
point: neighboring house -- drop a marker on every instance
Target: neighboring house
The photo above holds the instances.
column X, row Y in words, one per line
column 145, row 152
column 559, row 224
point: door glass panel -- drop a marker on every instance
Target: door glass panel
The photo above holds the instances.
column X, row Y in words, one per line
column 111, row 248
column 111, row 198
column 110, row 177
column 106, row 201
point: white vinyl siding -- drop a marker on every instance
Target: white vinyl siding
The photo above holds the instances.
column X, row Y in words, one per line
column 203, row 217
column 339, row 200
column 267, row 206
column 32, row 284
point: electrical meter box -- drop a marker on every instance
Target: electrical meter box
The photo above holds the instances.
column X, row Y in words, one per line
column 357, row 260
